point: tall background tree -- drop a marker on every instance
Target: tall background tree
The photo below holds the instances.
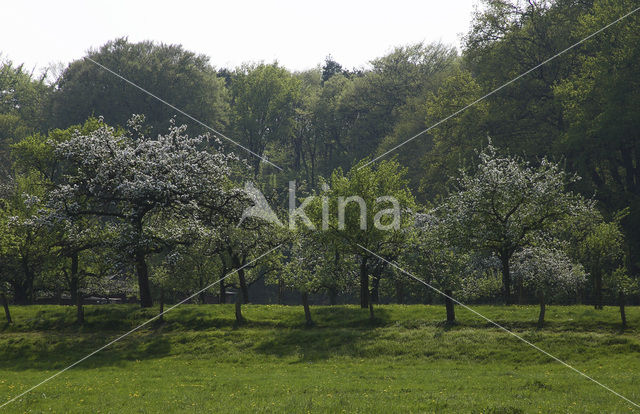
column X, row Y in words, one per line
column 263, row 97
column 180, row 77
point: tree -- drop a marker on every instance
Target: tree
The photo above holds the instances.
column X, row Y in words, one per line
column 505, row 203
column 623, row 286
column 303, row 137
column 264, row 98
column 509, row 37
column 432, row 257
column 301, row 271
column 368, row 207
column 602, row 252
column 70, row 235
column 23, row 105
column 178, row 76
column 237, row 240
column 330, row 69
column 599, row 101
column 370, row 104
column 316, row 267
column 149, row 189
column 5, row 269
column 27, row 241
column 547, row 271
column 325, row 147
column 435, row 156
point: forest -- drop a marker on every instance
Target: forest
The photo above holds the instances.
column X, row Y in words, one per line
column 124, row 173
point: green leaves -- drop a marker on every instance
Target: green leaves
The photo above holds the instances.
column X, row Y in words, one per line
column 264, row 100
column 178, row 76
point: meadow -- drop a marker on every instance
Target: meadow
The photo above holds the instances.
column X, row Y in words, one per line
column 407, row 360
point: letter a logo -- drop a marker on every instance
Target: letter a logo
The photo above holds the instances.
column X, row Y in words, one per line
column 260, row 207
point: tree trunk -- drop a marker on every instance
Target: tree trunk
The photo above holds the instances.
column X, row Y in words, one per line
column 256, row 167
column 399, row 292
column 371, row 314
column 239, row 318
column 506, row 278
column 280, row 291
column 598, row 290
column 520, row 290
column 375, row 289
column 59, row 296
column 203, row 295
column 223, row 292
column 332, row 296
column 5, row 305
column 243, row 285
column 364, row 283
column 237, row 264
column 24, row 291
column 161, row 313
column 307, row 311
column 542, row 310
column 623, row 316
column 449, row 305
column 20, row 296
column 79, row 310
column 75, row 289
column 143, row 280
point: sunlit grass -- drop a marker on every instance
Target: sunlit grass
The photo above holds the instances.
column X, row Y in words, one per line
column 406, row 360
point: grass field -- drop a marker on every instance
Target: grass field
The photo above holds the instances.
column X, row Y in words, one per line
column 406, row 361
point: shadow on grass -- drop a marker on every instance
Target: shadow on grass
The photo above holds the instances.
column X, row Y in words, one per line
column 48, row 338
column 324, row 340
column 53, row 352
column 316, row 344
column 120, row 318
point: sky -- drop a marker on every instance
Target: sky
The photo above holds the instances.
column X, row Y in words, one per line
column 298, row 34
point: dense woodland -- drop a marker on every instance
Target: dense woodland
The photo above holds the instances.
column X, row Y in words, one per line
column 531, row 195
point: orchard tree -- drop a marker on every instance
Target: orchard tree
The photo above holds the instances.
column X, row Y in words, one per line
column 71, row 235
column 5, row 269
column 301, row 270
column 149, row 188
column 370, row 206
column 171, row 275
column 434, row 259
column 315, row 267
column 547, row 271
column 242, row 244
column 602, row 252
column 622, row 285
column 27, row 242
column 237, row 240
column 505, row 203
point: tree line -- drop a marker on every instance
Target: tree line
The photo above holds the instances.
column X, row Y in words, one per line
column 546, row 209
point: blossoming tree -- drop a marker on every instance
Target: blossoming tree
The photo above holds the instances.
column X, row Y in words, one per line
column 150, row 188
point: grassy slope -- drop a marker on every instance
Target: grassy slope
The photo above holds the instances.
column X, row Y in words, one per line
column 406, row 361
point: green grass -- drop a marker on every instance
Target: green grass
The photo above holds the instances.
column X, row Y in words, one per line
column 405, row 361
